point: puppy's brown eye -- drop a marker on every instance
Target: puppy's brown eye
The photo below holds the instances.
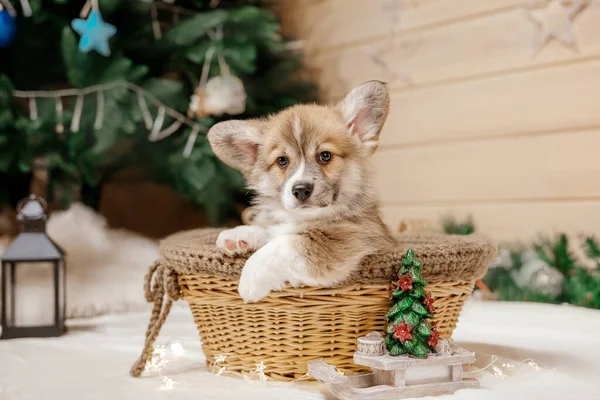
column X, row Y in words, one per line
column 324, row 157
column 282, row 162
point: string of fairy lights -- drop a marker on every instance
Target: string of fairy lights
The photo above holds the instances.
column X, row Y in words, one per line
column 163, row 356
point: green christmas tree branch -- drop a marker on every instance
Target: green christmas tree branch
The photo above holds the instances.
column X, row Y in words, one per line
column 44, row 55
column 581, row 284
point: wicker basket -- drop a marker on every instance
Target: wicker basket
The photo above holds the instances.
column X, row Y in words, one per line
column 291, row 327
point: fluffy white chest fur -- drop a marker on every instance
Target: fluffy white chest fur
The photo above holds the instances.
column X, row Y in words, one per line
column 105, row 269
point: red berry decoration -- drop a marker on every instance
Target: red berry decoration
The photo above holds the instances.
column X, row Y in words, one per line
column 433, row 338
column 405, row 282
column 429, row 303
column 402, row 332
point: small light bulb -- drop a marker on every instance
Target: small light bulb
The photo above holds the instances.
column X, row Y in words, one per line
column 533, row 365
column 177, row 349
column 220, row 358
column 498, row 372
column 260, row 367
column 168, row 383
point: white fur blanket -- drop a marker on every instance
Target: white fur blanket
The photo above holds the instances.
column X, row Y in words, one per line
column 105, row 268
column 92, row 361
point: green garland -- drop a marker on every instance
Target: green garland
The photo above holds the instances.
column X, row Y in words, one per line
column 580, row 285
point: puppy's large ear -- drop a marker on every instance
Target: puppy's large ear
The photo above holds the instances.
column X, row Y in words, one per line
column 236, row 142
column 365, row 110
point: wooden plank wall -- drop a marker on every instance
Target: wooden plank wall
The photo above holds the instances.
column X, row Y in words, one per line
column 482, row 127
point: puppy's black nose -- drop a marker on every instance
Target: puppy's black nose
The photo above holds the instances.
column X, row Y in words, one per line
column 302, row 190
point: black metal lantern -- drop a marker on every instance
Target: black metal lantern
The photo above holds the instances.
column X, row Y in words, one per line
column 32, row 247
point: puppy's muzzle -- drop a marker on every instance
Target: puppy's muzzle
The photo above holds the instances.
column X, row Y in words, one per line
column 302, row 190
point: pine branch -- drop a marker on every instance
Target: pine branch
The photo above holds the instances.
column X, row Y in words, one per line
column 592, row 248
column 453, row 227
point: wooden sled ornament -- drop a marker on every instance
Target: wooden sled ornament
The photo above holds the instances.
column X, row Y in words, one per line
column 396, row 377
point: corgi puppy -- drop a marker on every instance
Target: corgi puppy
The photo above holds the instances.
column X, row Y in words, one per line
column 316, row 210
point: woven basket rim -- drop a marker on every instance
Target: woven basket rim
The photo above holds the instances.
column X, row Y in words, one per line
column 444, row 257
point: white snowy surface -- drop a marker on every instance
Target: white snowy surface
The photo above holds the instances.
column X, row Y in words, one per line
column 92, row 361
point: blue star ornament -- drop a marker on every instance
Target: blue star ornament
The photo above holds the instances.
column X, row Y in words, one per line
column 94, row 33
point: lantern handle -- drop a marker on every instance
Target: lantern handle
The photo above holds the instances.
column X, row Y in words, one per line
column 30, row 198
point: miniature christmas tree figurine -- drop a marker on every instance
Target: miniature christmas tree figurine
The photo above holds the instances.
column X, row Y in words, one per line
column 409, row 330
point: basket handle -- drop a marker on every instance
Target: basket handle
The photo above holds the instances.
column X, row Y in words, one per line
column 162, row 292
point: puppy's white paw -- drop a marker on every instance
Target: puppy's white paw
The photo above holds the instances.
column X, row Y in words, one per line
column 262, row 273
column 241, row 239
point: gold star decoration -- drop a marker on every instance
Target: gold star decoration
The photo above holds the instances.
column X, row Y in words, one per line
column 555, row 20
